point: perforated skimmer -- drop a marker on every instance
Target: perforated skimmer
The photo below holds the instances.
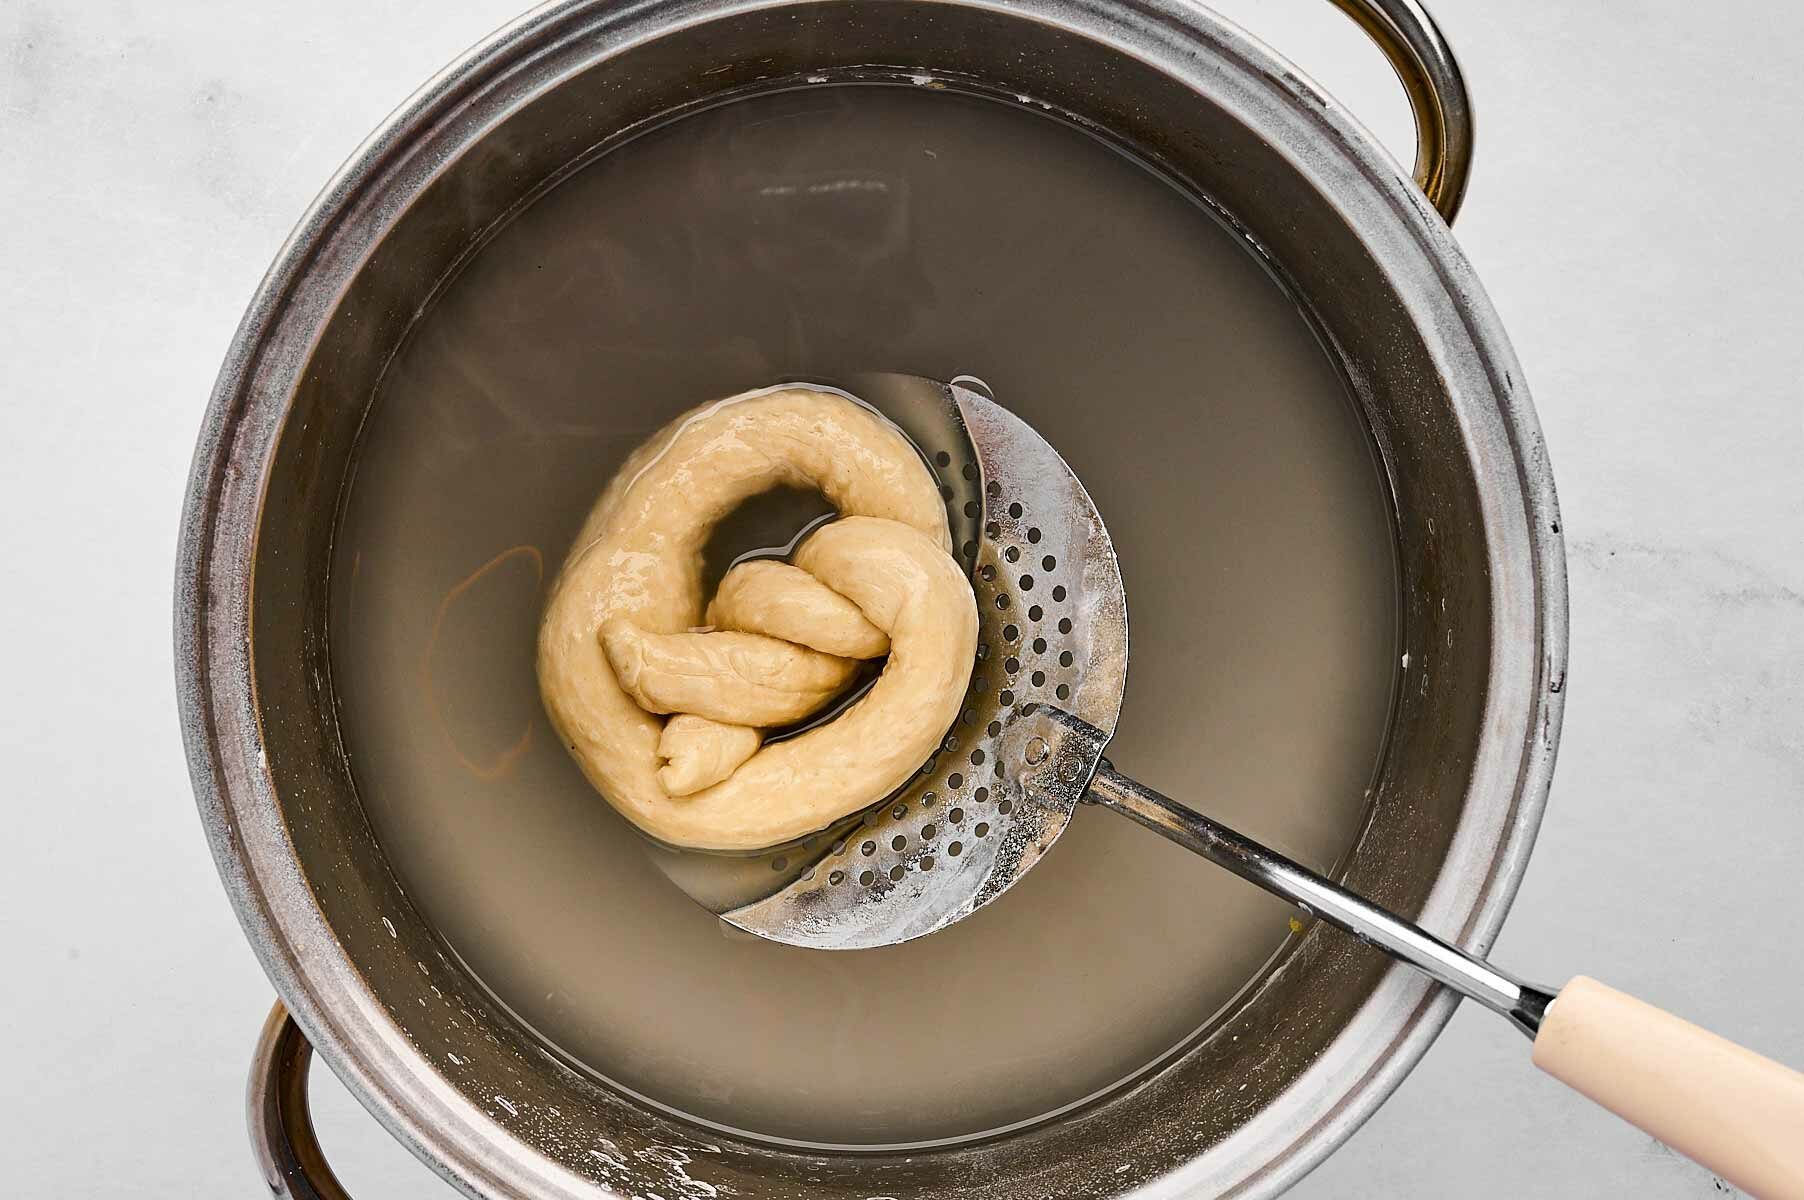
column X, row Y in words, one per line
column 1028, row 748
column 1042, row 704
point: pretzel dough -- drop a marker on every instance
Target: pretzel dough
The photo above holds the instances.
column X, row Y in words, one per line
column 624, row 629
column 739, row 678
column 699, row 753
column 787, row 602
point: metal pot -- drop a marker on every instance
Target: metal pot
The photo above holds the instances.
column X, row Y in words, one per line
column 1315, row 1045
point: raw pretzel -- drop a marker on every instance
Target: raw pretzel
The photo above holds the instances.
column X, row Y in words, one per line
column 881, row 578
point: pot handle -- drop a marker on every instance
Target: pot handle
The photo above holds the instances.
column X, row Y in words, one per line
column 1437, row 94
column 281, row 1126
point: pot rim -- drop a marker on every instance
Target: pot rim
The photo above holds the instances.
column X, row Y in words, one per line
column 216, row 693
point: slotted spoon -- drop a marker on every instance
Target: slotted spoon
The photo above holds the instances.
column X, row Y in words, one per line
column 1028, row 748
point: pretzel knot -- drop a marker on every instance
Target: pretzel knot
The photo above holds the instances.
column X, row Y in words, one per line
column 626, row 640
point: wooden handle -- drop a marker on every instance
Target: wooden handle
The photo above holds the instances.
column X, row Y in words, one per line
column 1731, row 1110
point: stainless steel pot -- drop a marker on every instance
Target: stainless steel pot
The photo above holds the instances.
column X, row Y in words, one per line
column 1310, row 1050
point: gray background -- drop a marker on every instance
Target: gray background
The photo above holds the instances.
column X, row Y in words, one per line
column 1634, row 214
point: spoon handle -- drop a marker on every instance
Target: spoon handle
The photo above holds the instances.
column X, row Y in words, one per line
column 1713, row 1101
column 1738, row 1114
column 1497, row 990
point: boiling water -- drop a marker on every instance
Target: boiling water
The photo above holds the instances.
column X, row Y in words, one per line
column 818, row 233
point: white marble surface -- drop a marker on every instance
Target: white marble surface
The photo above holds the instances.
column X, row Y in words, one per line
column 1635, row 214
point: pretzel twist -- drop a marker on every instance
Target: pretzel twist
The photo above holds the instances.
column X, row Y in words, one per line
column 625, row 640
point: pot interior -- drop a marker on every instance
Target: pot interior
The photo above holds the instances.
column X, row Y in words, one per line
column 478, row 1040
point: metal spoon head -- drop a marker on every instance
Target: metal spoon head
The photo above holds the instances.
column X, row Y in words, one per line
column 1052, row 641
